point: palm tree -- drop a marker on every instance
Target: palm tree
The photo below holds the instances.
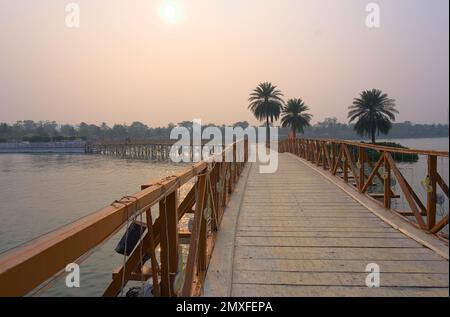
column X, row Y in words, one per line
column 295, row 116
column 266, row 103
column 374, row 111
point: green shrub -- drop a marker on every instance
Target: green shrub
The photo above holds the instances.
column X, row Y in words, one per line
column 398, row 157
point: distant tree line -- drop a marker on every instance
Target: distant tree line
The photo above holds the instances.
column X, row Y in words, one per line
column 332, row 129
column 44, row 131
column 47, row 131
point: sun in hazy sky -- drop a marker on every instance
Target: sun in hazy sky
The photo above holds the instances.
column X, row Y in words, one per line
column 170, row 12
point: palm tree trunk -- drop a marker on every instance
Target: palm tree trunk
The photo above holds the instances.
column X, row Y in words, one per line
column 267, row 132
column 373, row 135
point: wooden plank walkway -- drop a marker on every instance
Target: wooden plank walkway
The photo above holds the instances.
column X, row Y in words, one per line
column 298, row 234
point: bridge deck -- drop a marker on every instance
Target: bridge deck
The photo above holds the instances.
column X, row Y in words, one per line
column 298, row 234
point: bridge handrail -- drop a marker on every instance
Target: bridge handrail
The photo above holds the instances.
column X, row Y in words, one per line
column 386, row 148
column 25, row 268
column 352, row 159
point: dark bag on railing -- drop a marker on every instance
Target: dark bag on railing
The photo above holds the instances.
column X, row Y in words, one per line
column 130, row 239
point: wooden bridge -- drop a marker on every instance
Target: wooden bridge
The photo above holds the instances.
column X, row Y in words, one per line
column 313, row 228
column 154, row 150
column 150, row 150
column 315, row 237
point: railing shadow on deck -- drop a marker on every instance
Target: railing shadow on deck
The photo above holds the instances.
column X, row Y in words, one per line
column 24, row 269
column 357, row 165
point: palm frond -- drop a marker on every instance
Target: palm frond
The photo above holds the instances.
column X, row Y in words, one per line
column 266, row 102
column 294, row 115
column 373, row 112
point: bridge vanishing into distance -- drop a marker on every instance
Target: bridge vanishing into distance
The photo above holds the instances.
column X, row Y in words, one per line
column 321, row 225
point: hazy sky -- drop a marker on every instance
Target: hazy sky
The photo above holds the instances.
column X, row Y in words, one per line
column 126, row 63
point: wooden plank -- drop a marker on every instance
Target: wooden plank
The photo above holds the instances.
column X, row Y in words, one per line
column 378, row 196
column 264, row 290
column 319, row 222
column 443, row 185
column 387, row 184
column 441, row 224
column 352, row 166
column 184, row 234
column 151, row 251
column 327, row 242
column 339, row 279
column 299, row 210
column 419, row 203
column 320, row 234
column 168, row 210
column 373, row 174
column 299, row 214
column 202, row 247
column 192, row 256
column 321, row 229
column 332, row 253
column 406, row 191
column 349, row 266
column 337, row 216
column 362, row 175
column 432, row 196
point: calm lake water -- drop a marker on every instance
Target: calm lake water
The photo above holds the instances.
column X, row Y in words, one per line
column 416, row 172
column 40, row 193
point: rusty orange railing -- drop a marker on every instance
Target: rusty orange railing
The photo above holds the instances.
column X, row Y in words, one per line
column 351, row 161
